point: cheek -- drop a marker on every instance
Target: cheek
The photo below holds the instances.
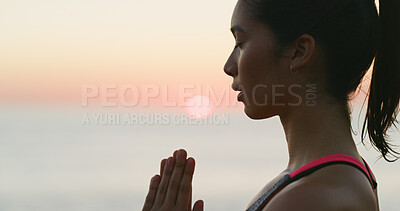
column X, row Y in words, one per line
column 258, row 73
column 257, row 68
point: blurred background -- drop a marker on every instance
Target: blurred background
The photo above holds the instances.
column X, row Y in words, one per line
column 58, row 154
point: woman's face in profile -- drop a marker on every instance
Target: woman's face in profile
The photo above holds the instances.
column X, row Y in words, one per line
column 257, row 72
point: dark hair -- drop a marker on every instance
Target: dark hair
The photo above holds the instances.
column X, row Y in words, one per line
column 351, row 34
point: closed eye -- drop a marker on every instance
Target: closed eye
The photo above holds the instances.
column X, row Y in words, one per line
column 238, row 45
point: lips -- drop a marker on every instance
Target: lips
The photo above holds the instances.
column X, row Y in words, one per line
column 239, row 97
column 235, row 88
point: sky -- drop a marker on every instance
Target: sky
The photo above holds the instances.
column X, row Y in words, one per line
column 51, row 48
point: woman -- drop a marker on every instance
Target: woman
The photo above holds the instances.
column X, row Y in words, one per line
column 285, row 50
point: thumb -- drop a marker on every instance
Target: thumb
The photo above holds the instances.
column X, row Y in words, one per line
column 198, row 206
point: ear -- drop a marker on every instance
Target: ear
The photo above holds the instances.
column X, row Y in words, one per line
column 304, row 48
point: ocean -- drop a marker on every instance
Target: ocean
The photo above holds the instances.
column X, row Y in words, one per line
column 50, row 159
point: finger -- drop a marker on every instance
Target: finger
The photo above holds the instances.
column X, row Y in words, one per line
column 162, row 166
column 163, row 162
column 163, row 187
column 176, row 178
column 198, row 206
column 148, row 204
column 190, row 199
column 186, row 183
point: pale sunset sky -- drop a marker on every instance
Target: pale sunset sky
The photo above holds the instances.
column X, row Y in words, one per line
column 50, row 48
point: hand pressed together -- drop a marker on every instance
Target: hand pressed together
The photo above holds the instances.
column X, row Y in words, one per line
column 172, row 189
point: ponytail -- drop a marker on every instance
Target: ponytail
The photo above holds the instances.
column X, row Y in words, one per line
column 384, row 90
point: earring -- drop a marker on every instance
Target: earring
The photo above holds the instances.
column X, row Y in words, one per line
column 295, row 71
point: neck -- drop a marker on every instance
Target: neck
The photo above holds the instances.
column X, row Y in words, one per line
column 313, row 132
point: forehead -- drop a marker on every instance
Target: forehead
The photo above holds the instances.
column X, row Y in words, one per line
column 238, row 15
column 240, row 18
column 251, row 27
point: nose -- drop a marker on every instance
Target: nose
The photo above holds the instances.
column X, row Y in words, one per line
column 230, row 67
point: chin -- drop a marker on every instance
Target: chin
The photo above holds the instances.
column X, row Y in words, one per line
column 259, row 113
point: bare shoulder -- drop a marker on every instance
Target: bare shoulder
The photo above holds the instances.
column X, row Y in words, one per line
column 336, row 187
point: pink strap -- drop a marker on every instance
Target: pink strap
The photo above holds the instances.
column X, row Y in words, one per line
column 332, row 158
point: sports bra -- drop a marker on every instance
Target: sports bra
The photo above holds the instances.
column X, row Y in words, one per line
column 308, row 169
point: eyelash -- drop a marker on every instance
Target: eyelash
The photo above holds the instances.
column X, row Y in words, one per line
column 237, row 45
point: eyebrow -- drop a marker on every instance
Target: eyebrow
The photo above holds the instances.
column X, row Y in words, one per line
column 236, row 28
